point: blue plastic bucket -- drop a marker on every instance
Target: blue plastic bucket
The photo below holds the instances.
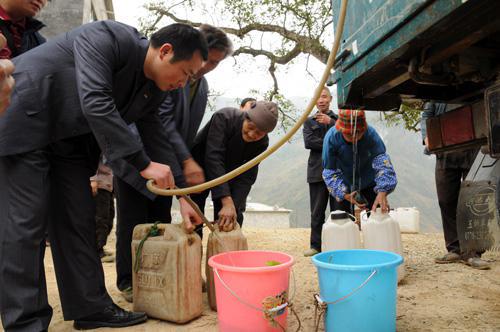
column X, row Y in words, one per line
column 359, row 288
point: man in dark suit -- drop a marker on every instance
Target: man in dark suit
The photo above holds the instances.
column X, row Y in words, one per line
column 181, row 115
column 314, row 131
column 74, row 97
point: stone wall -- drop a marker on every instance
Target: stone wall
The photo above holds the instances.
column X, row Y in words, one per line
column 63, row 15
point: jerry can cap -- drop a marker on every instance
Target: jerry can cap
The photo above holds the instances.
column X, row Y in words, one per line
column 337, row 215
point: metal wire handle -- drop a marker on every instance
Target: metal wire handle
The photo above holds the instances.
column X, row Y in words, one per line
column 322, row 305
column 278, row 308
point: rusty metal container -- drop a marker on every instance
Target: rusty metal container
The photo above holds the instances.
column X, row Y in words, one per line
column 217, row 243
column 167, row 284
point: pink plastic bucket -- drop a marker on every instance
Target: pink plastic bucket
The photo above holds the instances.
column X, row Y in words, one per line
column 243, row 282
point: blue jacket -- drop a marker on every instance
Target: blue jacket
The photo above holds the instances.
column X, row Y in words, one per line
column 338, row 154
column 373, row 166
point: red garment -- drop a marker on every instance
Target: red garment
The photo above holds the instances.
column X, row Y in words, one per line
column 351, row 121
column 16, row 29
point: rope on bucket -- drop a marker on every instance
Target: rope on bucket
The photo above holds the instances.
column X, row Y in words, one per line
column 320, row 306
column 269, row 313
column 153, row 231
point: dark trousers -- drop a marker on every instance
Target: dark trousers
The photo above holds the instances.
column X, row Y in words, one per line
column 200, row 199
column 319, row 198
column 448, row 182
column 40, row 190
column 133, row 208
column 104, row 215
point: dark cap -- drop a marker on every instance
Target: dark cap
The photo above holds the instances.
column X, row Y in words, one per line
column 337, row 214
column 264, row 114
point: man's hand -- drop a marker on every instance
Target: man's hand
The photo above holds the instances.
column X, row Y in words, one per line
column 351, row 198
column 6, row 80
column 227, row 215
column 189, row 216
column 426, row 142
column 93, row 185
column 160, row 174
column 323, row 118
column 381, row 200
column 193, row 172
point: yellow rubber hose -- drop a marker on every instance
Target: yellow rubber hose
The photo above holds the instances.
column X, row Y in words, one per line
column 234, row 173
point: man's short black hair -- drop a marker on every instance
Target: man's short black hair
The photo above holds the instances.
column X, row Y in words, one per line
column 246, row 100
column 185, row 40
column 217, row 39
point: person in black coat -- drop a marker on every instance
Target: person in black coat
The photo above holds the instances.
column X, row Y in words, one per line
column 314, row 131
column 19, row 32
column 229, row 140
column 181, row 114
column 74, row 98
column 19, row 27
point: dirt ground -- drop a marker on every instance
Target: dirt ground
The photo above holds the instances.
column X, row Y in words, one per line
column 432, row 297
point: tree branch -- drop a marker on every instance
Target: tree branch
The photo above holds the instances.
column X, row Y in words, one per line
column 271, row 56
column 306, row 44
column 272, row 70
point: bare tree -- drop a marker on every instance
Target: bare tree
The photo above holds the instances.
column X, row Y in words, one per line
column 302, row 26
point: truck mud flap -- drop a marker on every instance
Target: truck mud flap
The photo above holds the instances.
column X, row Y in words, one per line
column 478, row 215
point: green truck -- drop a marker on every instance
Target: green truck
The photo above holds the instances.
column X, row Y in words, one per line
column 396, row 51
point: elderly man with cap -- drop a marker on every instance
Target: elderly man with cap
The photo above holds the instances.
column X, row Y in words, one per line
column 357, row 169
column 229, row 140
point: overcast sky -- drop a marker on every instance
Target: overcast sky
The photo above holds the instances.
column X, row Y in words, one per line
column 236, row 81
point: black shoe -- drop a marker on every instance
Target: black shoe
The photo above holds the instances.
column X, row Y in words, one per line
column 111, row 316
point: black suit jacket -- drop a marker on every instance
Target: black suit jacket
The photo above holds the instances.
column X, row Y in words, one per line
column 90, row 79
column 181, row 122
column 314, row 133
column 182, row 119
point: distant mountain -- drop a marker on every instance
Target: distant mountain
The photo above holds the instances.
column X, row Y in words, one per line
column 282, row 177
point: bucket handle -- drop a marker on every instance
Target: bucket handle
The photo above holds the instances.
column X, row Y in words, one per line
column 321, row 305
column 278, row 308
column 271, row 311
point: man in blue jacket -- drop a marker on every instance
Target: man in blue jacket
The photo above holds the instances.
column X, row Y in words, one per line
column 357, row 169
column 74, row 98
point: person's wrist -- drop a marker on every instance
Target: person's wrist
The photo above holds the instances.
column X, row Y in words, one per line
column 226, row 200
